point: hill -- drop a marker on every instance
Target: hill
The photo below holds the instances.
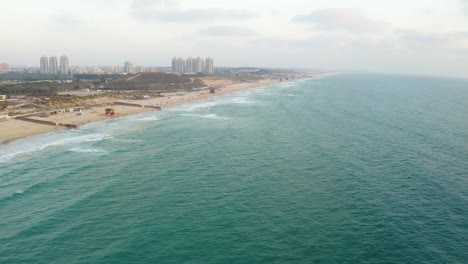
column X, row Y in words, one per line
column 154, row 81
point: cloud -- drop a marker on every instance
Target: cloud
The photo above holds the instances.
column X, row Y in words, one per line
column 394, row 52
column 154, row 3
column 223, row 31
column 425, row 40
column 341, row 19
column 170, row 11
column 464, row 4
column 66, row 19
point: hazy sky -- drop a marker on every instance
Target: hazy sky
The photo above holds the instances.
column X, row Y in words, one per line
column 409, row 36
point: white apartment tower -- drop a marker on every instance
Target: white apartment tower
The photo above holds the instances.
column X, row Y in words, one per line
column 174, row 64
column 64, row 65
column 128, row 67
column 209, row 66
column 198, row 65
column 53, row 65
column 44, row 65
column 189, row 65
column 178, row 65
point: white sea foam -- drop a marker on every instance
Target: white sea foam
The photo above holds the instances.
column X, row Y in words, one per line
column 127, row 140
column 149, row 118
column 196, row 106
column 32, row 147
column 260, row 90
column 87, row 150
column 208, row 116
column 287, row 85
column 9, row 195
column 242, row 100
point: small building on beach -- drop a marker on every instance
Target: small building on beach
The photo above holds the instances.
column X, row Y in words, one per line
column 3, row 97
column 109, row 112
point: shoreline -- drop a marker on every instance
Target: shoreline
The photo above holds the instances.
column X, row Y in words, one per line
column 14, row 129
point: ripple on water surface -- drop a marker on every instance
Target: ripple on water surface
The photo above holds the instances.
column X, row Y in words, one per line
column 342, row 169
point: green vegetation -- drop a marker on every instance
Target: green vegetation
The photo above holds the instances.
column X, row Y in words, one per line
column 154, row 81
column 26, row 76
column 14, row 113
column 40, row 88
column 155, row 78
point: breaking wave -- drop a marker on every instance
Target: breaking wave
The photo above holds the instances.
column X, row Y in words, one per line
column 208, row 116
column 87, row 150
column 149, row 118
column 196, row 106
column 24, row 149
column 242, row 100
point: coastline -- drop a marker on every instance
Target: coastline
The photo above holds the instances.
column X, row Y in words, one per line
column 13, row 129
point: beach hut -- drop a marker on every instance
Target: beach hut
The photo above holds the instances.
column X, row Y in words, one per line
column 110, row 112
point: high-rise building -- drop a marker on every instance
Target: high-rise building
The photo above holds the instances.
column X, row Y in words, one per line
column 44, row 65
column 112, row 69
column 139, row 69
column 189, row 65
column 174, row 60
column 178, row 65
column 199, row 65
column 117, row 69
column 53, row 65
column 128, row 67
column 64, row 65
column 209, row 66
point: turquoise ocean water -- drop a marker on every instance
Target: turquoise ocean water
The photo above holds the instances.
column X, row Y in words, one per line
column 338, row 169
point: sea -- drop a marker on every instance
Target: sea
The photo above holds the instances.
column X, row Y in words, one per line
column 346, row 168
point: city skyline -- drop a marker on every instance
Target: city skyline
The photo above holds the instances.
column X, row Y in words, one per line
column 413, row 37
column 193, row 65
column 50, row 65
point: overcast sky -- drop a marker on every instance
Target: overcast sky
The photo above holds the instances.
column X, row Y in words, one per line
column 427, row 37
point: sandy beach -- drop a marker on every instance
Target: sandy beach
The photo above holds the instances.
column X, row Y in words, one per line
column 12, row 129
